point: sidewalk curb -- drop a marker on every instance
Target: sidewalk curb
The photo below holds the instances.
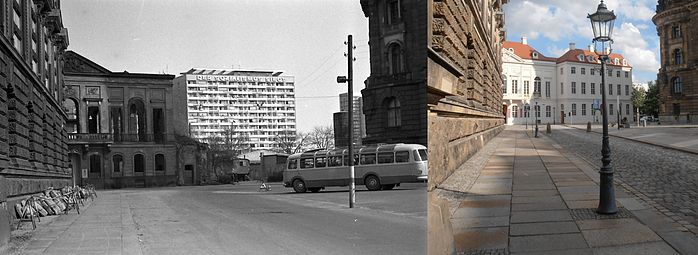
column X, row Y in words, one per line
column 641, row 141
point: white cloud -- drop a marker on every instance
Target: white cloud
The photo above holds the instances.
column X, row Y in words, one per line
column 555, row 52
column 630, row 43
column 559, row 19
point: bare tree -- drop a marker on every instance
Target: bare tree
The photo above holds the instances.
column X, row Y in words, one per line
column 225, row 147
column 321, row 137
column 290, row 142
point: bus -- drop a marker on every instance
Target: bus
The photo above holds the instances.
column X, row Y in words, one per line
column 380, row 167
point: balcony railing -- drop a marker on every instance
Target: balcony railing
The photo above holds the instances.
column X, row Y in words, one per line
column 119, row 138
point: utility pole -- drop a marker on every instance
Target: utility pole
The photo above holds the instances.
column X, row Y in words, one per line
column 350, row 101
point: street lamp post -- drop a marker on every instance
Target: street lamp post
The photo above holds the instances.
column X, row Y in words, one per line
column 526, row 115
column 536, row 110
column 602, row 26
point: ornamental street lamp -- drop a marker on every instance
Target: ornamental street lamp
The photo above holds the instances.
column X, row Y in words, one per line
column 602, row 26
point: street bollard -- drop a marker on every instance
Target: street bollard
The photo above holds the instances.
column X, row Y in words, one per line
column 547, row 128
column 588, row 126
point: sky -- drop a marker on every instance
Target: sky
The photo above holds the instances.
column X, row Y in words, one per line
column 303, row 38
column 550, row 25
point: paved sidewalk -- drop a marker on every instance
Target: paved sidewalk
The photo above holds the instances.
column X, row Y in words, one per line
column 530, row 197
column 99, row 229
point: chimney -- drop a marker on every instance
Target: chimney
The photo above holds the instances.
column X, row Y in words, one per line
column 524, row 40
column 591, row 47
column 572, row 46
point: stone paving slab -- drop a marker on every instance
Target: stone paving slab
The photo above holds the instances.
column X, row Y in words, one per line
column 547, row 242
column 543, row 186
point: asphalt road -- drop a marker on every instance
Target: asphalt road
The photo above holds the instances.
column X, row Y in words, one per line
column 238, row 219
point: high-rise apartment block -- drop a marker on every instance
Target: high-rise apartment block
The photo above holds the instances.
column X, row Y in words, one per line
column 256, row 106
column 341, row 135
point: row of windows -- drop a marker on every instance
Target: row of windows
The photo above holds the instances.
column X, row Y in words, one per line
column 524, row 113
column 139, row 163
column 25, row 30
column 573, row 88
column 592, row 71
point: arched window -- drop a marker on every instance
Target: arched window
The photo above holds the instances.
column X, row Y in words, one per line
column 394, row 118
column 160, row 162
column 118, row 163
column 70, row 106
column 616, row 61
column 136, row 119
column 138, row 163
column 678, row 57
column 678, row 85
column 395, row 58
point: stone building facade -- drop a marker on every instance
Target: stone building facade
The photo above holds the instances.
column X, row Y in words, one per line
column 33, row 151
column 678, row 76
column 464, row 95
column 120, row 130
column 464, row 81
column 394, row 99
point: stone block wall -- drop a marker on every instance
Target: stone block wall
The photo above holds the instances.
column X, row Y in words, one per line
column 463, row 82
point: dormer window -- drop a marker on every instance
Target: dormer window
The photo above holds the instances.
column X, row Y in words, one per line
column 625, row 62
column 534, row 55
column 580, row 57
column 616, row 61
column 511, row 49
column 590, row 58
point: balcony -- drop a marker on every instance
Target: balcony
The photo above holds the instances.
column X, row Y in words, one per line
column 81, row 138
column 108, row 138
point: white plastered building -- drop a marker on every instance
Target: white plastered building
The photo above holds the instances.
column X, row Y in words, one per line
column 569, row 86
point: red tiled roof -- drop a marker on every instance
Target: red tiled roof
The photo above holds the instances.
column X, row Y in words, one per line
column 572, row 56
column 525, row 51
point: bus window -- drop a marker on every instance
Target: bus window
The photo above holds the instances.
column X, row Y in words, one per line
column 402, row 156
column 420, row 155
column 385, row 157
column 292, row 164
column 356, row 160
column 320, row 162
column 307, row 163
column 334, row 161
column 423, row 154
column 368, row 159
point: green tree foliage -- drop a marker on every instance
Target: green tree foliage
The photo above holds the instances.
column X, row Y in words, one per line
column 651, row 103
column 638, row 97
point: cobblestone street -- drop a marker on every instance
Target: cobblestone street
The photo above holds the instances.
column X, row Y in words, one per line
column 663, row 176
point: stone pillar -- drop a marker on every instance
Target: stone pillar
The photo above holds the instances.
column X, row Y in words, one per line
column 5, row 221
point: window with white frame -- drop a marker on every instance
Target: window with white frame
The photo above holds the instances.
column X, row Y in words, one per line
column 547, row 111
column 574, row 109
column 584, row 88
column 547, row 89
column 593, row 88
column 584, row 109
column 574, row 87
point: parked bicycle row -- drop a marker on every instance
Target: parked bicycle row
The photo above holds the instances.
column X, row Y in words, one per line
column 53, row 202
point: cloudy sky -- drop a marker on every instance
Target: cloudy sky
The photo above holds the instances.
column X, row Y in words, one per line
column 304, row 38
column 551, row 25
